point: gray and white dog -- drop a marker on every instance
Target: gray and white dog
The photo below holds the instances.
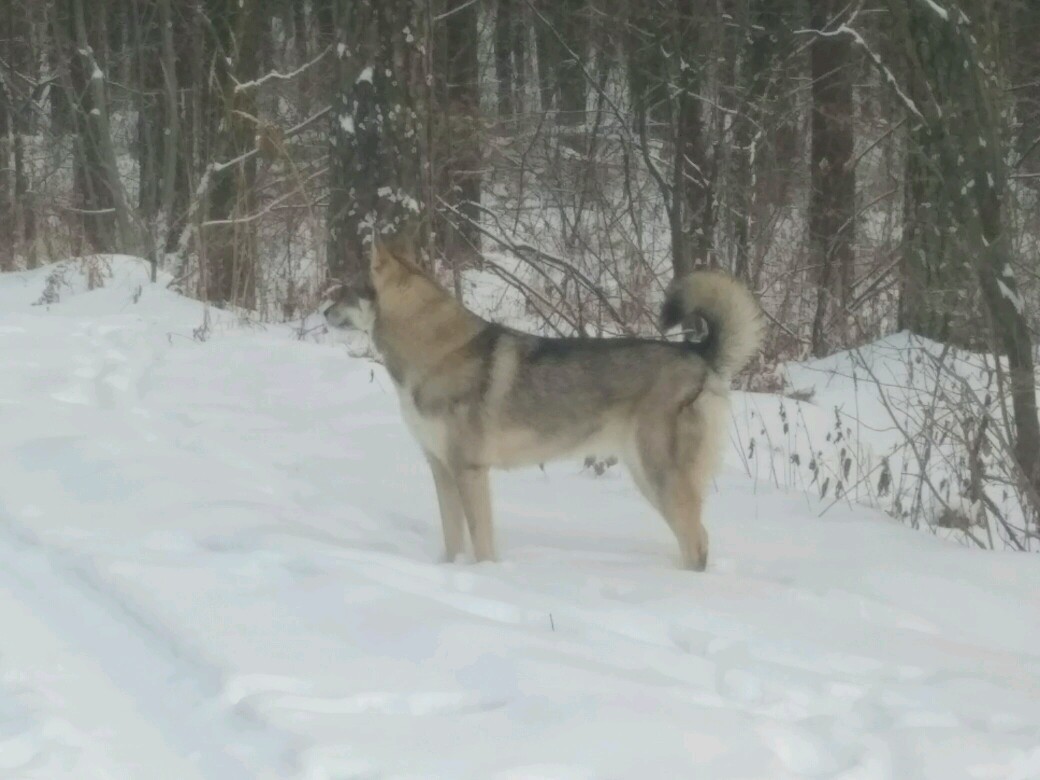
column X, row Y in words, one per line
column 477, row 395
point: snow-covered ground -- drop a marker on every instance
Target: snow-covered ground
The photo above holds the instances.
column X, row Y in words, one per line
column 218, row 558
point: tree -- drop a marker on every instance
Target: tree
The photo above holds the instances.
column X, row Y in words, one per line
column 159, row 120
column 1023, row 19
column 234, row 29
column 832, row 199
column 959, row 148
column 461, row 159
column 509, row 56
column 693, row 166
column 108, row 218
column 562, row 36
column 756, row 24
column 667, row 62
column 17, row 74
column 376, row 172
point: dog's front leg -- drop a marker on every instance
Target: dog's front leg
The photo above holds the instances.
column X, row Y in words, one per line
column 452, row 522
column 475, row 490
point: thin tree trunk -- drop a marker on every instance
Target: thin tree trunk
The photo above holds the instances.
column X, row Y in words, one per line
column 99, row 131
column 504, row 69
column 572, row 23
column 832, row 200
column 376, row 170
column 756, row 57
column 462, row 160
column 7, row 135
column 230, row 240
column 150, row 119
column 172, row 144
column 962, row 141
column 695, row 180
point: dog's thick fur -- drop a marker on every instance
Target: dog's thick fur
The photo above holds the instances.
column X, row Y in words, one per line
column 477, row 395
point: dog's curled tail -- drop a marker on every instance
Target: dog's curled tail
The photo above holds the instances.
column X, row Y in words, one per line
column 728, row 309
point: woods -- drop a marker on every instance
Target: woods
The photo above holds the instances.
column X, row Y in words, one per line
column 867, row 167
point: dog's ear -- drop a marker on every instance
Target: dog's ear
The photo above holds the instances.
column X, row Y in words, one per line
column 376, row 258
column 383, row 264
column 392, row 257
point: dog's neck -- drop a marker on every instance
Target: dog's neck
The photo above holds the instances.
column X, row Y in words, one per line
column 417, row 325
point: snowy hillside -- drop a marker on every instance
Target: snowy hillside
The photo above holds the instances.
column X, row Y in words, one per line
column 218, row 557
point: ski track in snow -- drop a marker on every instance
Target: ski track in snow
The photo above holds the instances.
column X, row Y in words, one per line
column 218, row 560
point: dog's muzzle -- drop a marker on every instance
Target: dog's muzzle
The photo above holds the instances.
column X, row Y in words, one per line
column 337, row 315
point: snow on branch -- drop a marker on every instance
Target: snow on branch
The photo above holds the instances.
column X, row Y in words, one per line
column 274, row 75
column 844, row 29
column 452, row 11
column 942, row 12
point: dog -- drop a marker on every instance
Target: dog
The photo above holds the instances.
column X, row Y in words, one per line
column 476, row 395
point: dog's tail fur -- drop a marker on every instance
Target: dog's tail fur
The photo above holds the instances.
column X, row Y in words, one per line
column 728, row 309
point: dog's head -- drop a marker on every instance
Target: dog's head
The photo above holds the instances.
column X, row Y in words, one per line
column 354, row 304
column 350, row 306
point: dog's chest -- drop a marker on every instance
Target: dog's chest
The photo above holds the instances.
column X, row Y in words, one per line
column 430, row 431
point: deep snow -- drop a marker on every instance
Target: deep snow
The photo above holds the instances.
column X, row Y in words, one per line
column 218, row 558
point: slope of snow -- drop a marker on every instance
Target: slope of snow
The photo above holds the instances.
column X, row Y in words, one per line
column 218, row 558
column 908, row 406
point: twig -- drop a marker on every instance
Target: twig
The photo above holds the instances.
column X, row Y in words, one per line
column 276, row 76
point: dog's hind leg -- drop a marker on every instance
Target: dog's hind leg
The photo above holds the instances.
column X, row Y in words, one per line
column 450, row 502
column 682, row 507
column 671, row 461
column 700, row 439
column 678, row 497
column 475, row 490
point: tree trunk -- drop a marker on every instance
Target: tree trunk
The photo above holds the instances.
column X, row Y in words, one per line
column 757, row 48
column 646, row 42
column 462, row 158
column 562, row 36
column 172, row 159
column 150, row 115
column 107, row 217
column 230, row 239
column 832, row 201
column 961, row 148
column 695, row 177
column 7, row 135
column 376, row 169
column 1024, row 21
column 158, row 143
column 505, row 73
column 572, row 23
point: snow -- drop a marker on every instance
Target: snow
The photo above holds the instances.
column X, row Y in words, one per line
column 939, row 10
column 218, row 559
column 904, row 406
column 1012, row 297
column 366, row 75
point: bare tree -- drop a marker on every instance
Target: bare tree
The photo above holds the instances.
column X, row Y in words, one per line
column 376, row 172
column 19, row 81
column 460, row 161
column 234, row 29
column 832, row 200
column 510, row 56
column 107, row 215
column 693, row 166
column 562, row 40
column 961, row 145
